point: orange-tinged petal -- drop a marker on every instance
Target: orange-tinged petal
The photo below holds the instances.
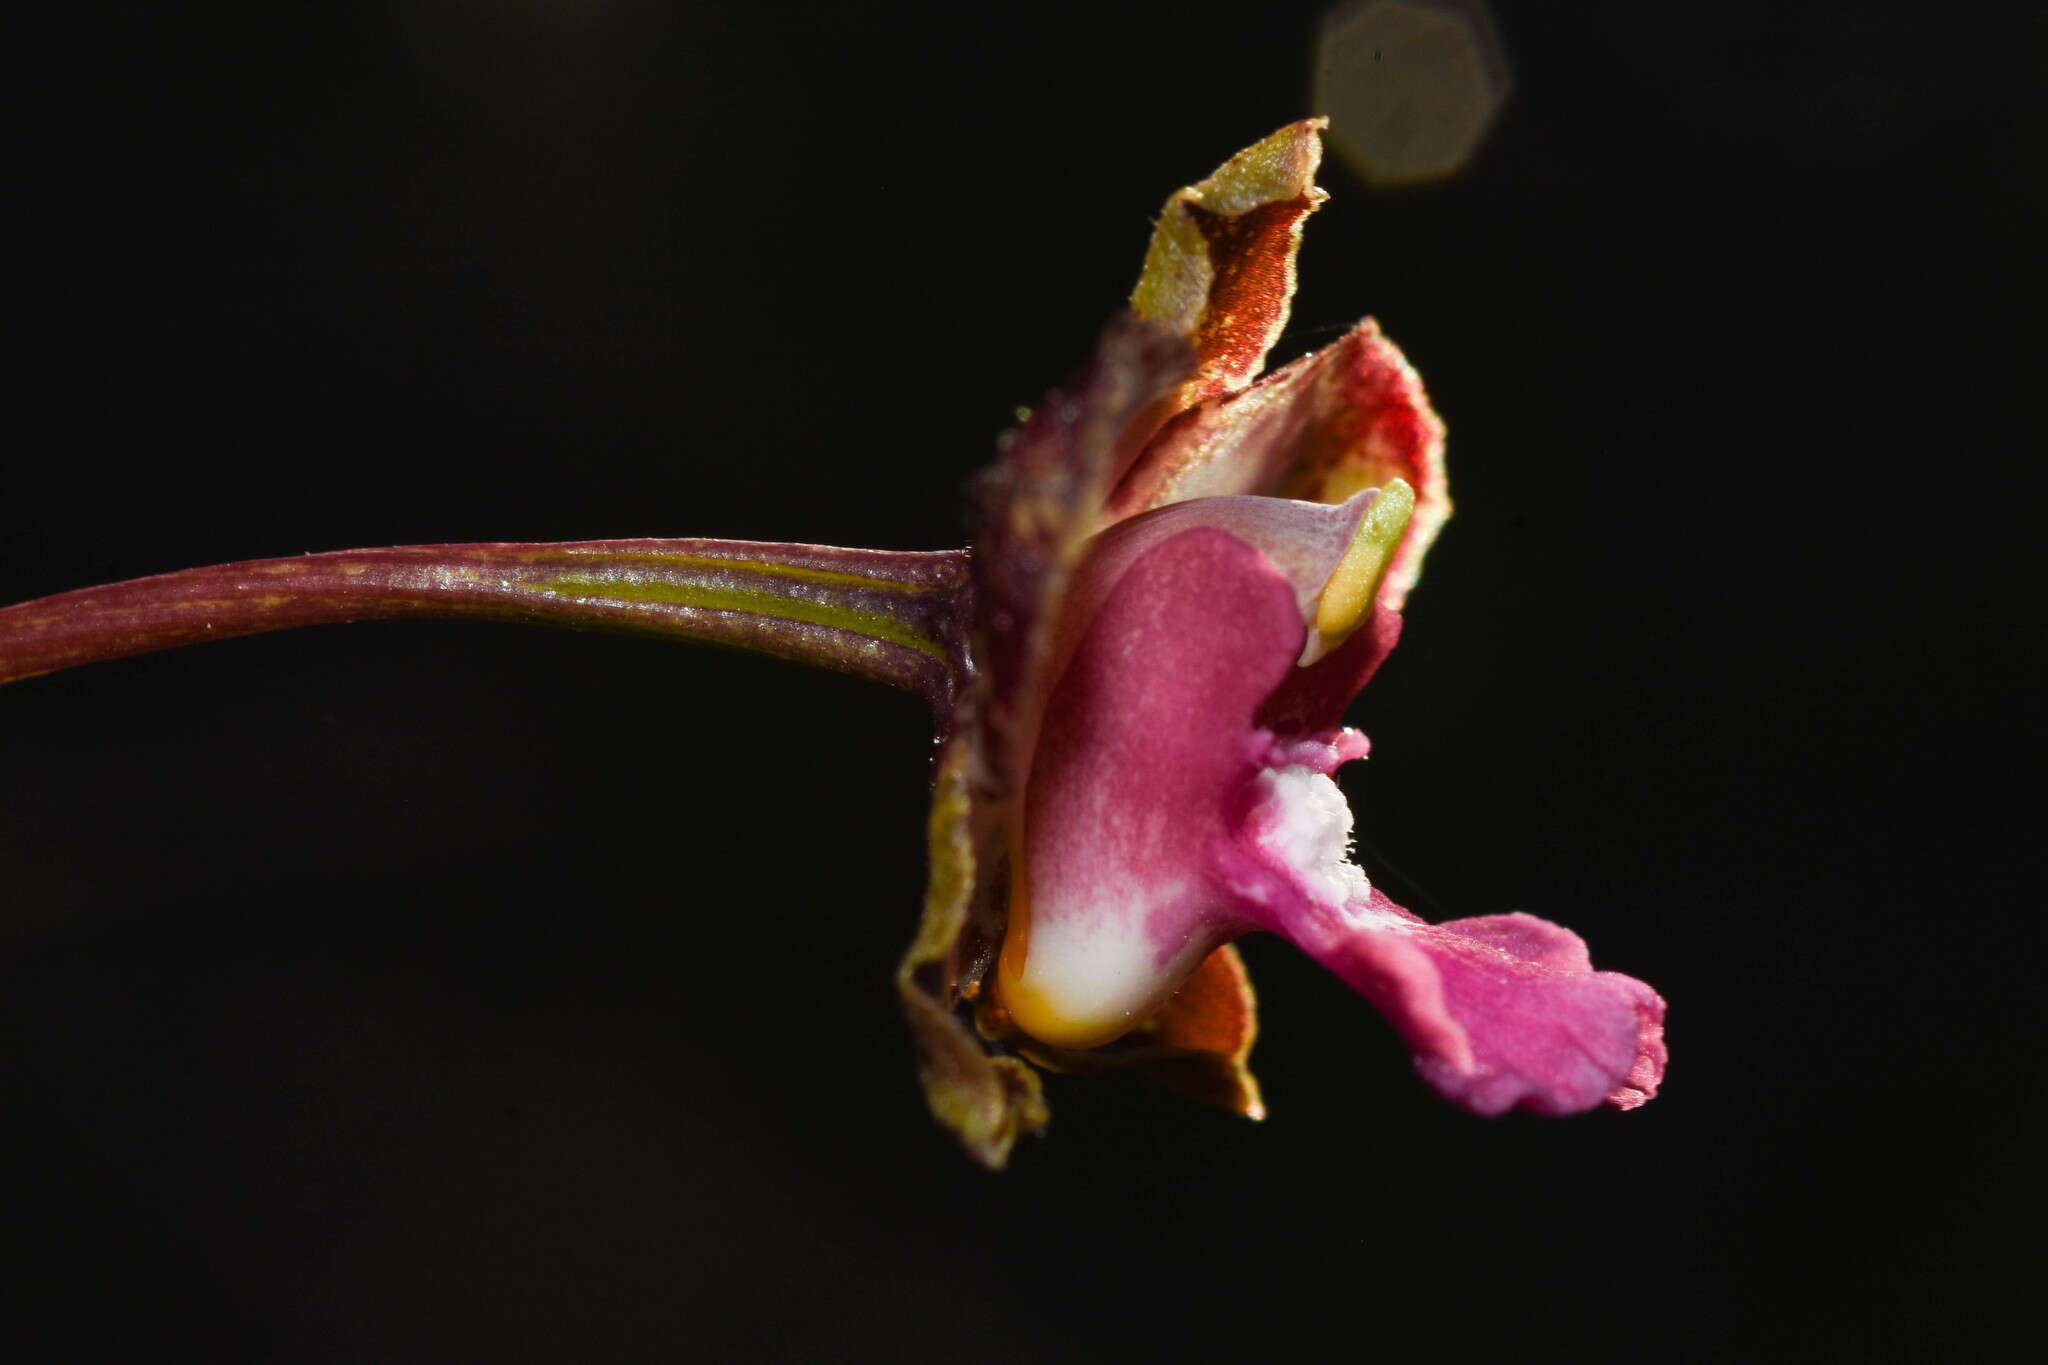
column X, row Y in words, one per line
column 1197, row 1044
column 1352, row 416
column 1210, row 1025
column 1220, row 267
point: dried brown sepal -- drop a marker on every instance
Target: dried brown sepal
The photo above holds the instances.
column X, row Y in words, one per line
column 988, row 1102
column 1219, row 270
column 1035, row 509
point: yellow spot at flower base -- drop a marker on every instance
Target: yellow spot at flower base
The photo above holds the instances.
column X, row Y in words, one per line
column 1033, row 1010
column 1348, row 595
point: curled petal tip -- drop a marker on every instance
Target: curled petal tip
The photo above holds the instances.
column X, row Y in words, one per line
column 1640, row 1086
column 1547, row 1033
column 1219, row 270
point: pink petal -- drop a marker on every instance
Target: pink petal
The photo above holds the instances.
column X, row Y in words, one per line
column 1547, row 1032
column 1145, row 737
column 1501, row 1010
column 1304, row 540
column 1312, row 700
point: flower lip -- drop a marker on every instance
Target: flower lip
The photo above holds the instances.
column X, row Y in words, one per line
column 1303, row 823
column 1143, row 748
column 1163, row 818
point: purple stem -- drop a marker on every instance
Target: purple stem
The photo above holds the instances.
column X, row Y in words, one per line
column 897, row 617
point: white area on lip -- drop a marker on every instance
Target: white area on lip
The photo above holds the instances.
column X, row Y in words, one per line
column 1304, row 825
column 1101, row 967
column 1307, row 830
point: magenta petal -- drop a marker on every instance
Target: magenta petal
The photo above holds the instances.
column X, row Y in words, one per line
column 1312, row 700
column 1502, row 1010
column 1146, row 738
column 1304, row 540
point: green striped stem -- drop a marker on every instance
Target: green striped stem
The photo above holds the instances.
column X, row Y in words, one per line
column 897, row 617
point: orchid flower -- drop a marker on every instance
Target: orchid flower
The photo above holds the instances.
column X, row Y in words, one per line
column 1182, row 575
column 1184, row 578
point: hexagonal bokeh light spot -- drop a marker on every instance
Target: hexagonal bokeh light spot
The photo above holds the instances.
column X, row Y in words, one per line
column 1411, row 86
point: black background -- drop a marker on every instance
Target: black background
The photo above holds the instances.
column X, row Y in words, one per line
column 423, row 992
